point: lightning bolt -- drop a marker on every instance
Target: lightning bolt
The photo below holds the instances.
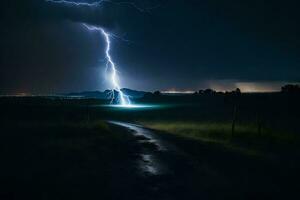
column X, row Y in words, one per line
column 98, row 3
column 123, row 99
column 72, row 3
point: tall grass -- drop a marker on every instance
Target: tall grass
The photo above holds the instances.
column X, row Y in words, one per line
column 221, row 132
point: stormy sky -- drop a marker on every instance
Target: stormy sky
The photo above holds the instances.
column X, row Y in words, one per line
column 163, row 45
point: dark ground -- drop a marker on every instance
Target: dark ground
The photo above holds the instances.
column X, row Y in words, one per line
column 62, row 149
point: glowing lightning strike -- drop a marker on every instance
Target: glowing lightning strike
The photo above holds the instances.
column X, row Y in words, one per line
column 123, row 99
column 98, row 3
column 72, row 3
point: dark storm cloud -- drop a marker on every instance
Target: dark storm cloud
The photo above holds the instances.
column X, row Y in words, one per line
column 179, row 44
column 106, row 14
column 196, row 40
column 40, row 11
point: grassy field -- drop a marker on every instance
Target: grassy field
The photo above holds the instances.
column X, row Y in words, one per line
column 70, row 160
column 246, row 137
column 63, row 149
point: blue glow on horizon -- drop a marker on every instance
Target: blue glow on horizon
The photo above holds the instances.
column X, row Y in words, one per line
column 133, row 106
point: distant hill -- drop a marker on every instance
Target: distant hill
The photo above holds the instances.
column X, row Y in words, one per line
column 134, row 93
column 87, row 94
column 105, row 94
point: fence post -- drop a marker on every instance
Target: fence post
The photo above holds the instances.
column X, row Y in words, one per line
column 233, row 120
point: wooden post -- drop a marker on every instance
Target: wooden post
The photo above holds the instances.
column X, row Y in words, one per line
column 88, row 114
column 259, row 124
column 233, row 120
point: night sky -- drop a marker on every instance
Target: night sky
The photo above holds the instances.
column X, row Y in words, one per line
column 170, row 44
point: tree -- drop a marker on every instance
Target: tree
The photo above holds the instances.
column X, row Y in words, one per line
column 209, row 91
column 201, row 92
column 290, row 89
column 238, row 91
column 157, row 93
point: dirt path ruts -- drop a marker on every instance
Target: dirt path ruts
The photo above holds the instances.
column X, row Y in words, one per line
column 167, row 170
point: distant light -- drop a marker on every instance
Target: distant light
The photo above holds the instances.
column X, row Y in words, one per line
column 178, row 92
column 132, row 106
column 22, row 94
column 247, row 86
column 251, row 87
